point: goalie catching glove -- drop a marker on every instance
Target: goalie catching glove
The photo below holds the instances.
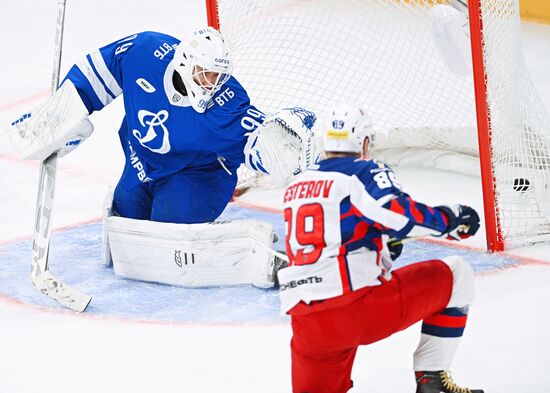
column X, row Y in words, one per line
column 283, row 145
column 57, row 126
column 463, row 221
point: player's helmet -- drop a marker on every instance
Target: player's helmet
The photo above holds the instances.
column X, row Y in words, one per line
column 345, row 130
column 204, row 66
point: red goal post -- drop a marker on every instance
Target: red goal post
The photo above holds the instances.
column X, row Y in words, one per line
column 492, row 223
column 431, row 81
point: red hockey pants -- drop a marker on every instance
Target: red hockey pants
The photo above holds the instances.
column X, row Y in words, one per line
column 326, row 334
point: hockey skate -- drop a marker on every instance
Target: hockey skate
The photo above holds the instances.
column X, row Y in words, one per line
column 438, row 382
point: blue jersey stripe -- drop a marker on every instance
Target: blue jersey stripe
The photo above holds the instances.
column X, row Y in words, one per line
column 89, row 58
column 455, row 311
column 440, row 331
column 84, row 88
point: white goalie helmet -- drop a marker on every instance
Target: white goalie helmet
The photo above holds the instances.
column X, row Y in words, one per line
column 204, row 65
column 345, row 129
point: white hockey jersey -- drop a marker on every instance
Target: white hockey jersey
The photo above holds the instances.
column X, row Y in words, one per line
column 338, row 219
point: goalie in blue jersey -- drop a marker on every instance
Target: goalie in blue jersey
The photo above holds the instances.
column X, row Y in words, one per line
column 188, row 126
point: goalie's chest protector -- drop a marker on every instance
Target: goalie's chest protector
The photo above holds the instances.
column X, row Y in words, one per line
column 164, row 130
column 322, row 266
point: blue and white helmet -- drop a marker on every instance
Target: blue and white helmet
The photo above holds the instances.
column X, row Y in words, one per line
column 345, row 129
column 204, row 65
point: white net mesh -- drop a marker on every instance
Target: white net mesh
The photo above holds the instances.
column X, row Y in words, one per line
column 383, row 54
column 520, row 129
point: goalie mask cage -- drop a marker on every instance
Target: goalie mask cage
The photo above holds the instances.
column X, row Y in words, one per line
column 425, row 97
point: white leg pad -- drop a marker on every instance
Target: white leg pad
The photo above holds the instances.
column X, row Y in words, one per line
column 193, row 255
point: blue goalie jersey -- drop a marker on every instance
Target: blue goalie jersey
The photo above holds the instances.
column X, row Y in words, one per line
column 161, row 133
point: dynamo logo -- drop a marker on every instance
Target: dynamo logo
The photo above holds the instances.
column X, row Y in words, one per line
column 155, row 126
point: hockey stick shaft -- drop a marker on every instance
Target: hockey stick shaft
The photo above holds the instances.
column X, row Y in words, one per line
column 58, row 48
column 47, row 175
column 41, row 278
column 395, row 242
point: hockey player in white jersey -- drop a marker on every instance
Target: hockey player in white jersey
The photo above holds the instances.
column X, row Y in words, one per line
column 339, row 287
column 188, row 126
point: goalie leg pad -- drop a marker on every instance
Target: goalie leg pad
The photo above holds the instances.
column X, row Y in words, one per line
column 193, row 255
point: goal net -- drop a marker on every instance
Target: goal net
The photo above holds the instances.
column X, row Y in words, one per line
column 408, row 62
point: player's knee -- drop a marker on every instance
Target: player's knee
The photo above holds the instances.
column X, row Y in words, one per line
column 463, row 291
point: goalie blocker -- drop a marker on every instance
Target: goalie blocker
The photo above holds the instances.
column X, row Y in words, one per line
column 193, row 255
column 58, row 125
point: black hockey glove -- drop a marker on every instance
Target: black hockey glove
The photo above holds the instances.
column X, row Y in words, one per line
column 395, row 247
column 395, row 250
column 463, row 221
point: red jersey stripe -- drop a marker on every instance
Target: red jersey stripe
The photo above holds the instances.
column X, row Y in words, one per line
column 342, row 265
column 446, row 321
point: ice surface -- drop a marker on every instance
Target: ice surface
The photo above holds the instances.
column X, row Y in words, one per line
column 76, row 255
column 141, row 337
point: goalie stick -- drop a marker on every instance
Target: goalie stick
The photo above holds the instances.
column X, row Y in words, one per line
column 41, row 277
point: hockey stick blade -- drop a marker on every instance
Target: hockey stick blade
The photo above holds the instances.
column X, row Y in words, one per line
column 62, row 293
column 41, row 277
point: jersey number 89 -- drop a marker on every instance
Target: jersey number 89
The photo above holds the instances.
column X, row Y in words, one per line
column 309, row 232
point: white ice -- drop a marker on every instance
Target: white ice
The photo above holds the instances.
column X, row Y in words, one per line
column 506, row 347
